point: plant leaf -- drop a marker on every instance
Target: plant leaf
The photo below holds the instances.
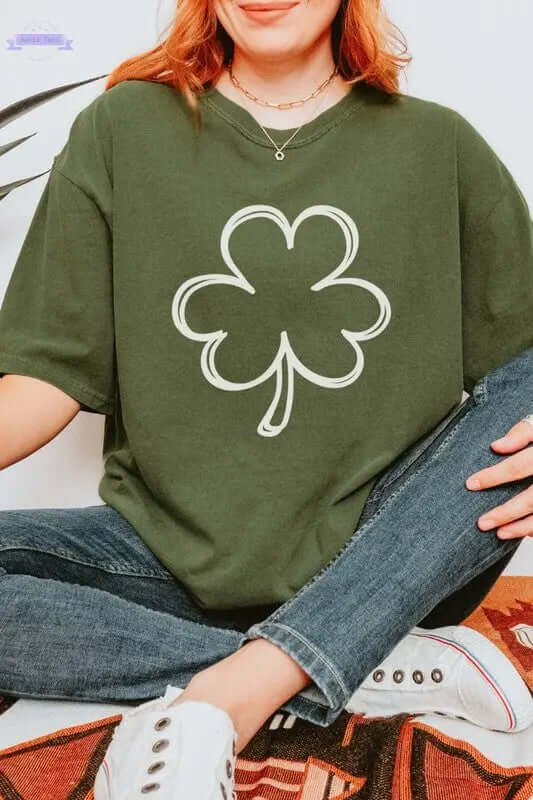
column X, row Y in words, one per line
column 4, row 190
column 20, row 107
column 5, row 148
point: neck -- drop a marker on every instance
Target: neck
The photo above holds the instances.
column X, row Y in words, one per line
column 284, row 80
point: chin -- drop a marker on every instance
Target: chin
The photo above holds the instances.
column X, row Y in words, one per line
column 273, row 46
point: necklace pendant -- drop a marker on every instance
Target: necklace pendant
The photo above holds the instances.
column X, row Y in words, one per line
column 279, row 155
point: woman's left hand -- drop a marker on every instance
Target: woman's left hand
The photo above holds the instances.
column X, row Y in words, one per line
column 514, row 518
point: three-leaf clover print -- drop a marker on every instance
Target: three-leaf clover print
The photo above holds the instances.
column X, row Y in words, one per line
column 285, row 362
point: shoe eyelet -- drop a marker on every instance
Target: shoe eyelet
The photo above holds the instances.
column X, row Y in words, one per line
column 155, row 766
column 162, row 723
column 223, row 791
column 437, row 675
column 159, row 745
column 418, row 676
column 229, row 771
column 398, row 675
column 150, row 787
column 378, row 675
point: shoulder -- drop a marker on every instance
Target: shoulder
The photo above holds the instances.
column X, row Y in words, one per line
column 133, row 99
column 430, row 123
column 127, row 90
column 411, row 111
column 86, row 155
column 124, row 101
column 467, row 136
column 107, row 118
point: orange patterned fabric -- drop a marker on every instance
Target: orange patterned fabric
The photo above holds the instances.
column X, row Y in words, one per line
column 394, row 758
column 506, row 617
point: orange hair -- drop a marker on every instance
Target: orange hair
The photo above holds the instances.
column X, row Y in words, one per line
column 198, row 47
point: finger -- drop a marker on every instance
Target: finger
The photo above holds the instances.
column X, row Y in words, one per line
column 516, row 437
column 512, row 510
column 519, row 465
column 517, row 529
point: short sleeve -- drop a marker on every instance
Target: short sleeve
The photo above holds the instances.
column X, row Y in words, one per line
column 56, row 318
column 496, row 257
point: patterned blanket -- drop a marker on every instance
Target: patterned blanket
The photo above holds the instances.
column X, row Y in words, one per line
column 403, row 757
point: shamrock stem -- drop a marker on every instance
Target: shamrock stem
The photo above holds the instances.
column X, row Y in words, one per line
column 283, row 397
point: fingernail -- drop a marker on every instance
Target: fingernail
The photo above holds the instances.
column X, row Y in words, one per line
column 487, row 523
column 505, row 535
column 473, row 483
column 497, row 441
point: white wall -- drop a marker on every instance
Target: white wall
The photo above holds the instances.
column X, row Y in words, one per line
column 473, row 56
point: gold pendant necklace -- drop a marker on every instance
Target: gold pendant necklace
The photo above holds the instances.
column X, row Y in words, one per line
column 279, row 155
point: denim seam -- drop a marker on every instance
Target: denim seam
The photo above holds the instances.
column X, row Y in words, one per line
column 310, row 702
column 254, row 633
column 414, row 456
column 478, row 396
column 108, row 568
column 484, row 391
column 359, row 531
column 480, row 391
column 328, row 664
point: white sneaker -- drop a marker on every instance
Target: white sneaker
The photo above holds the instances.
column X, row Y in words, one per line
column 167, row 752
column 453, row 670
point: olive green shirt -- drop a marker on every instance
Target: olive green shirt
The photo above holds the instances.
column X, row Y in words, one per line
column 265, row 336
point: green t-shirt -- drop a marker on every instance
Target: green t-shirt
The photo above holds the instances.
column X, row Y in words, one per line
column 265, row 337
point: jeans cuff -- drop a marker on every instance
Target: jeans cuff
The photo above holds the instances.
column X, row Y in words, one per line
column 322, row 700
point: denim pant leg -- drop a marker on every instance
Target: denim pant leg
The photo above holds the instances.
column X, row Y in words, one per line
column 418, row 542
column 88, row 612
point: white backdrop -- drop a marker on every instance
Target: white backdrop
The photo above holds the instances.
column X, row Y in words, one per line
column 474, row 57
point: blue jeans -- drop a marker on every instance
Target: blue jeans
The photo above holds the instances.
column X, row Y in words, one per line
column 89, row 613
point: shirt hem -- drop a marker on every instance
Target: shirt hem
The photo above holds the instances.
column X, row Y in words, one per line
column 85, row 396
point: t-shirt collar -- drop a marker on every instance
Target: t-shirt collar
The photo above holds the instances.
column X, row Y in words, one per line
column 236, row 115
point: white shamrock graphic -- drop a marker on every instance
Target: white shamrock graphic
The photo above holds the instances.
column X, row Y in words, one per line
column 286, row 362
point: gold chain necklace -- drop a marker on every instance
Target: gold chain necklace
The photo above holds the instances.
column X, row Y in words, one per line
column 279, row 155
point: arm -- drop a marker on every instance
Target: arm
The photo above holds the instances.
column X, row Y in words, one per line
column 32, row 413
column 57, row 314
